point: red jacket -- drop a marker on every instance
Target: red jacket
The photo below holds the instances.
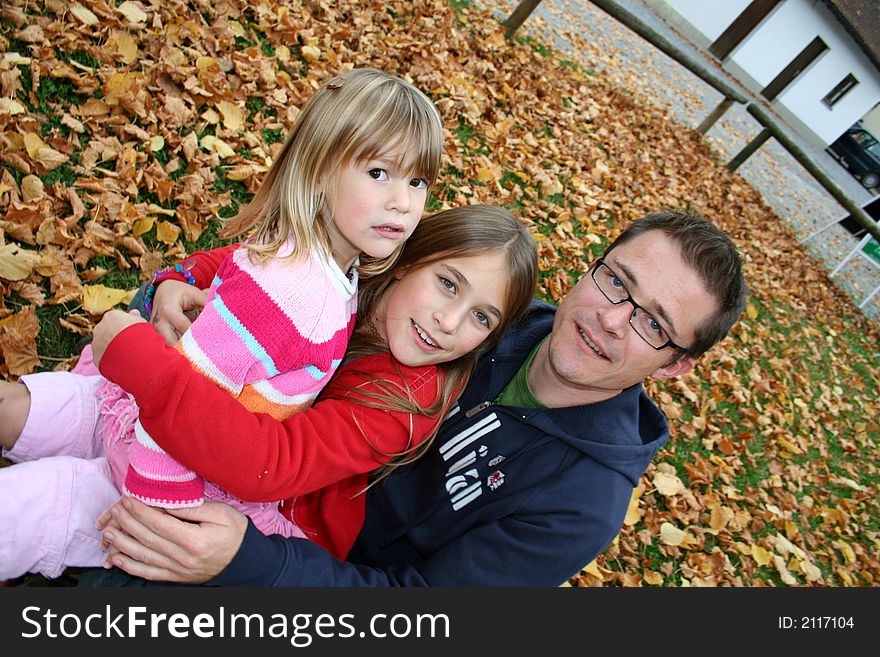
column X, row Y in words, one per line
column 319, row 457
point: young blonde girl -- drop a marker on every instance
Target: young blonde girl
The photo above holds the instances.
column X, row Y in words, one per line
column 463, row 277
column 352, row 179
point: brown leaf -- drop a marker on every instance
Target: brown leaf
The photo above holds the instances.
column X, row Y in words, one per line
column 18, row 344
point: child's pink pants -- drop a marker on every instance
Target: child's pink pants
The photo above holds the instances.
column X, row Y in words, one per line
column 62, row 480
column 61, row 483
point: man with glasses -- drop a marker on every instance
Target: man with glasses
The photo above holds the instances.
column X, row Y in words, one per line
column 531, row 475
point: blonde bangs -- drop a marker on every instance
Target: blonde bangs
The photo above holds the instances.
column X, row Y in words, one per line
column 405, row 127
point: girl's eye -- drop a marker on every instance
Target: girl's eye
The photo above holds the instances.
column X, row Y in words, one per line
column 377, row 173
column 483, row 318
column 419, row 183
column 446, row 283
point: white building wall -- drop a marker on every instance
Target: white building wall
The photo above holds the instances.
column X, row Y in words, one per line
column 776, row 41
column 781, row 37
column 710, row 17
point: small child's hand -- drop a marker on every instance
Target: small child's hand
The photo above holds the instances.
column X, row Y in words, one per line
column 112, row 324
column 175, row 306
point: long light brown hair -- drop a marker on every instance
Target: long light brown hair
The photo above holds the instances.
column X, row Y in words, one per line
column 355, row 116
column 456, row 233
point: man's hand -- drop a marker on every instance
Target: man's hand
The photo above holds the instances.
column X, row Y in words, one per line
column 112, row 324
column 190, row 546
column 175, row 306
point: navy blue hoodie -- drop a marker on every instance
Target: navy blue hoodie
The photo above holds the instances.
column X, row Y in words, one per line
column 505, row 497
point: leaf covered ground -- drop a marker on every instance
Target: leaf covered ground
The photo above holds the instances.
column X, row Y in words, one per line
column 128, row 129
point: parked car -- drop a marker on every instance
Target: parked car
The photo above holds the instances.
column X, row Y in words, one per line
column 859, row 151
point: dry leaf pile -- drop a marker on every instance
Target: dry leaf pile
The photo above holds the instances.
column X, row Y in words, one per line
column 127, row 130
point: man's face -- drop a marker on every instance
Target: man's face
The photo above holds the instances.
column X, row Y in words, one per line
column 595, row 353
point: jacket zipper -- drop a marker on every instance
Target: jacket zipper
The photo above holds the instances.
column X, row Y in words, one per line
column 476, row 409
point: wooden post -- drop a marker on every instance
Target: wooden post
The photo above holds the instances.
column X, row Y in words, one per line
column 716, row 114
column 519, row 15
column 750, row 148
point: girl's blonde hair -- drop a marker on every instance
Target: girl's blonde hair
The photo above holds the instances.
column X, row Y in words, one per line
column 457, row 233
column 355, row 116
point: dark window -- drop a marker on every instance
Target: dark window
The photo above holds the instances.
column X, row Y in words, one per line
column 840, row 90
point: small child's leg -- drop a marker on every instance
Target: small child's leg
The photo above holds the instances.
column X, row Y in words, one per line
column 48, row 515
column 61, row 418
column 15, row 403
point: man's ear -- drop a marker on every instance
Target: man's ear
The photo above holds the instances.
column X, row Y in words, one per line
column 681, row 366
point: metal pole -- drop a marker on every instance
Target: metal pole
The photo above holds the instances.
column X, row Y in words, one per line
column 750, row 148
column 716, row 114
column 519, row 15
column 870, row 296
column 616, row 9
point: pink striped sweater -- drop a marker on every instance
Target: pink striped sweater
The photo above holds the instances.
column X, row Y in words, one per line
column 271, row 335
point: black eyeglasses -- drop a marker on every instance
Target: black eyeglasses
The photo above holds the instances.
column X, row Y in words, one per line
column 642, row 322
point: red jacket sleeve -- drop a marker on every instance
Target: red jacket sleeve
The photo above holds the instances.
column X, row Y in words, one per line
column 252, row 455
column 202, row 265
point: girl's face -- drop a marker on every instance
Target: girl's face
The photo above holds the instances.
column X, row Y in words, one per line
column 374, row 206
column 440, row 311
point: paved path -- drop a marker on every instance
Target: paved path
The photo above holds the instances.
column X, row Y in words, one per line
column 587, row 34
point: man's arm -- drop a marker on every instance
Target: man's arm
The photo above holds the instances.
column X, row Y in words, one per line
column 541, row 546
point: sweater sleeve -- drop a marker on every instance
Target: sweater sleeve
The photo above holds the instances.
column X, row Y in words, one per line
column 252, row 455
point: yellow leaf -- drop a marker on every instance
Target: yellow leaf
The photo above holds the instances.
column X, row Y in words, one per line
column 232, row 119
column 83, row 15
column 115, row 86
column 142, row 225
column 33, row 144
column 32, row 187
column 668, row 484
column 98, row 299
column 282, row 53
column 10, row 106
column 17, row 263
column 593, row 569
column 311, row 53
column 166, row 232
column 751, row 311
column 244, row 171
column 485, row 174
column 811, row 571
column 653, row 578
column 719, row 516
column 846, row 550
column 218, row 146
column 157, row 143
column 94, row 107
column 633, row 514
column 50, row 158
column 126, row 47
column 132, row 12
column 672, row 535
column 203, row 63
column 784, row 573
column 15, row 59
column 760, row 555
column 237, row 29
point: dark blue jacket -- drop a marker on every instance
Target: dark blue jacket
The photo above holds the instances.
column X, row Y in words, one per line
column 505, row 497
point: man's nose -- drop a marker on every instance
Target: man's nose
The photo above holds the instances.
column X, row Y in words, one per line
column 614, row 318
